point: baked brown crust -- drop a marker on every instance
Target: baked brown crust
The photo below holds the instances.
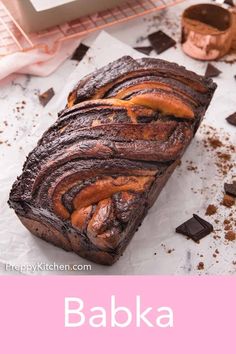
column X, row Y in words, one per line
column 97, row 170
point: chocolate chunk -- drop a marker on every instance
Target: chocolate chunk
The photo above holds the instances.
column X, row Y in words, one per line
column 196, row 228
column 229, row 2
column 161, row 41
column 46, row 96
column 232, row 119
column 145, row 50
column 80, row 52
column 230, row 188
column 212, row 71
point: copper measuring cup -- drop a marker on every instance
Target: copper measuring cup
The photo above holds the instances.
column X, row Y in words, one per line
column 207, row 31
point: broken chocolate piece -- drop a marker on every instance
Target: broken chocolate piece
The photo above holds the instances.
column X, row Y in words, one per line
column 145, row 50
column 230, row 188
column 46, row 96
column 212, row 71
column 229, row 2
column 161, row 41
column 80, row 52
column 196, row 228
column 232, row 119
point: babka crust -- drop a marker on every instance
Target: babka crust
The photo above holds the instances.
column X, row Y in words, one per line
column 96, row 171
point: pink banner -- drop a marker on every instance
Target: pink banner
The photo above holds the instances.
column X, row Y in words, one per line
column 117, row 314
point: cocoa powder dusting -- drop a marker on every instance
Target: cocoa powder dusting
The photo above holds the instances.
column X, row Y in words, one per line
column 215, row 143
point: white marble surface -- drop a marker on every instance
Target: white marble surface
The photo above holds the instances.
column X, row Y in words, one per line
column 187, row 191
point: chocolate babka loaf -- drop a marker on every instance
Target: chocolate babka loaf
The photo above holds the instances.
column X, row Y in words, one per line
column 96, row 171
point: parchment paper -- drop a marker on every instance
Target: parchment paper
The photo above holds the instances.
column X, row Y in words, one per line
column 155, row 248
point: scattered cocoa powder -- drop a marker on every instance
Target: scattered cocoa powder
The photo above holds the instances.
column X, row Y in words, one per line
column 215, row 143
column 192, row 168
column 216, row 237
column 224, row 156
